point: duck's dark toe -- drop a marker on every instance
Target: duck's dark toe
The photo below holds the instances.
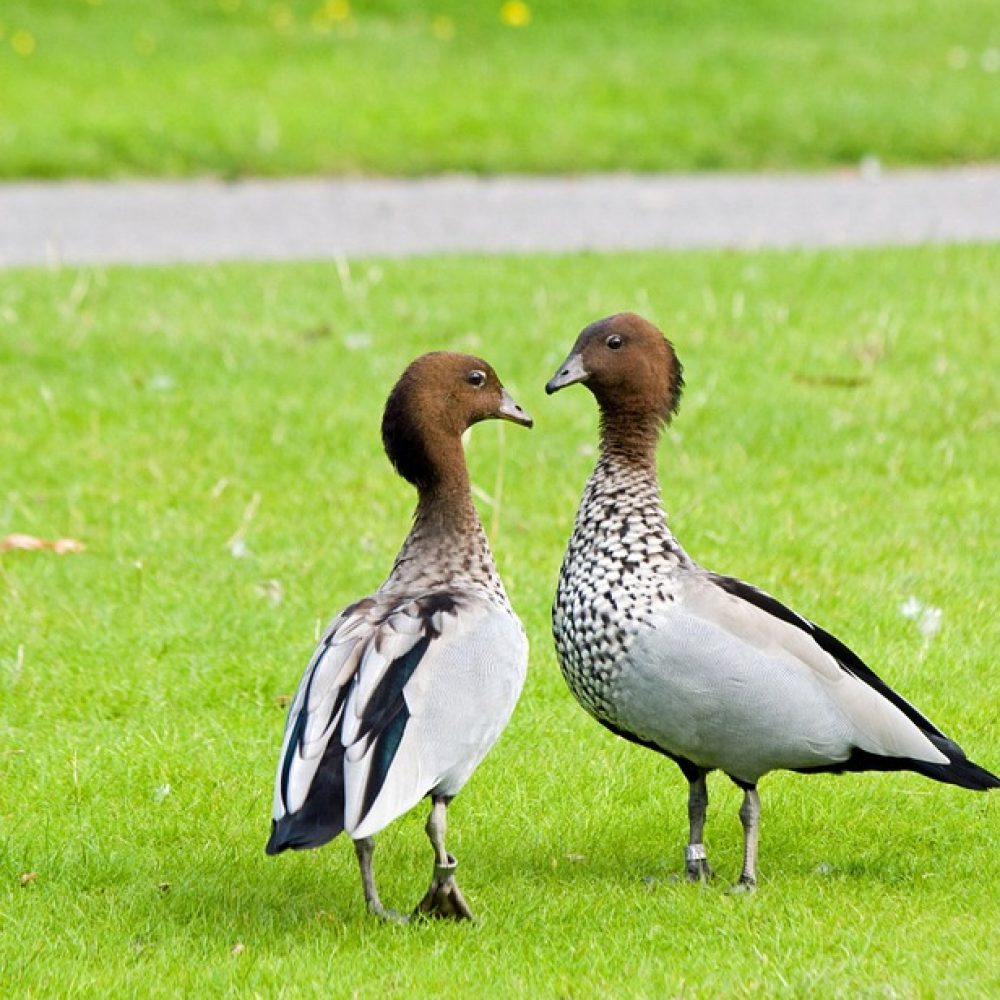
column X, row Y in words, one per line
column 699, row 871
column 444, row 899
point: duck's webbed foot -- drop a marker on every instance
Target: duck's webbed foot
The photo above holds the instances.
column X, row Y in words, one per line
column 743, row 887
column 389, row 916
column 444, row 898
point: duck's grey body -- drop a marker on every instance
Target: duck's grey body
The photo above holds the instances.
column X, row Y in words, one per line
column 655, row 646
column 705, row 668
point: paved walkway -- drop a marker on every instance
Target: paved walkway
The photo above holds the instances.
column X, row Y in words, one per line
column 167, row 221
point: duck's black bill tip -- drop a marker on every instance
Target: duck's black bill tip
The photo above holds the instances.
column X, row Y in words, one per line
column 522, row 421
column 521, row 418
column 509, row 410
column 570, row 372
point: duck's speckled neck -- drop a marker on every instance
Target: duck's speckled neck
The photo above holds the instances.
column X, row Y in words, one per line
column 447, row 546
column 617, row 569
column 621, row 516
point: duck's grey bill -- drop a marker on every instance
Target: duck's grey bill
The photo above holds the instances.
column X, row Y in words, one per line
column 509, row 410
column 570, row 372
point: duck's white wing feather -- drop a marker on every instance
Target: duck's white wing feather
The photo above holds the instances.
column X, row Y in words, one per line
column 727, row 677
column 445, row 718
column 353, row 752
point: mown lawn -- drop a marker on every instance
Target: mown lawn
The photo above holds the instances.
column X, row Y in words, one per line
column 234, row 87
column 837, row 445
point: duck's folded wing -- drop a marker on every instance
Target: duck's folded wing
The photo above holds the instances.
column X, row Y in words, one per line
column 308, row 807
column 885, row 725
column 423, row 722
column 845, row 658
column 381, row 665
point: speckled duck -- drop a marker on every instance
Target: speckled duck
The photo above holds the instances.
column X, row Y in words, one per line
column 706, row 669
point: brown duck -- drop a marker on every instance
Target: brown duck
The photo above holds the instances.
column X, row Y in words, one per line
column 411, row 686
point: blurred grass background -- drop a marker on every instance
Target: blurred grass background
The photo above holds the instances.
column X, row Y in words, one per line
column 836, row 445
column 108, row 88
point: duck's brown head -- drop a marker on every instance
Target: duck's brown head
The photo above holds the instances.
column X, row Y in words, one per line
column 437, row 398
column 628, row 365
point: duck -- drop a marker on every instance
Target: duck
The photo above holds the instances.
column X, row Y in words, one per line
column 708, row 670
column 410, row 686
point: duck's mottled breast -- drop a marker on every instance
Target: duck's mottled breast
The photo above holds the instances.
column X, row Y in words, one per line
column 431, row 561
column 619, row 566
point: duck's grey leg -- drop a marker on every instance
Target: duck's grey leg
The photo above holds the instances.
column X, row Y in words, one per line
column 750, row 818
column 365, row 849
column 443, row 898
column 694, row 854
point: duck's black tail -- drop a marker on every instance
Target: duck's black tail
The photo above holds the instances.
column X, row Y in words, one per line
column 959, row 770
column 300, row 831
column 321, row 817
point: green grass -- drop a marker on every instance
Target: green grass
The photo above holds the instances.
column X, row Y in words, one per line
column 837, row 445
column 233, row 87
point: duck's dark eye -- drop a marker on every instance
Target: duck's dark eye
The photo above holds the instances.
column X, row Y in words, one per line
column 476, row 378
column 614, row 342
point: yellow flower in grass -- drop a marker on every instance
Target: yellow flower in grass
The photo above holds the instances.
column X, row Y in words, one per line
column 23, row 42
column 336, row 10
column 330, row 13
column 515, row 13
column 443, row 27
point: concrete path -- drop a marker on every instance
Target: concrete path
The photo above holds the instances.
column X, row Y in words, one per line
column 165, row 221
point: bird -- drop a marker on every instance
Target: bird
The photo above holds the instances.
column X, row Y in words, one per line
column 706, row 669
column 410, row 686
